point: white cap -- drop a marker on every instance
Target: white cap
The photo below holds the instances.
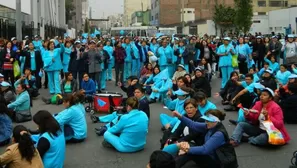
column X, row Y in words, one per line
column 269, row 71
column 182, row 66
column 227, row 39
column 293, row 76
column 1, row 76
column 13, row 38
column 269, row 90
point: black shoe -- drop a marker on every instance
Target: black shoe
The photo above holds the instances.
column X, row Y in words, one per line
column 152, row 101
column 230, row 109
column 100, row 131
column 46, row 101
column 225, row 102
column 244, row 139
column 233, row 122
column 94, row 118
column 163, row 128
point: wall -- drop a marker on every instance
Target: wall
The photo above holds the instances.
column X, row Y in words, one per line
column 189, row 14
column 262, row 26
column 130, row 6
column 267, row 8
column 26, row 5
column 280, row 19
column 154, row 11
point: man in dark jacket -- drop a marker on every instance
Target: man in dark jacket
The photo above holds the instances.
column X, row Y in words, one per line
column 77, row 61
column 289, row 105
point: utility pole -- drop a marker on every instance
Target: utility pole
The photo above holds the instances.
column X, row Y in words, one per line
column 183, row 15
column 18, row 20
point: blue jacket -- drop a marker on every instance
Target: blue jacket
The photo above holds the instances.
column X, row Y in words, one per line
column 21, row 103
column 132, row 128
column 154, row 47
column 175, row 105
column 208, row 106
column 6, row 127
column 143, row 53
column 225, row 60
column 66, row 54
column 273, row 66
column 164, row 54
column 37, row 45
column 55, row 156
column 109, row 50
column 75, row 118
column 89, row 87
column 211, row 142
column 283, row 77
column 130, row 48
column 48, row 56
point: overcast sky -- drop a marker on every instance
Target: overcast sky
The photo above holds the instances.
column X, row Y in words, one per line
column 108, row 7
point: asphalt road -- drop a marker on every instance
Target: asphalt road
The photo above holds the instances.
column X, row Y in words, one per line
column 91, row 154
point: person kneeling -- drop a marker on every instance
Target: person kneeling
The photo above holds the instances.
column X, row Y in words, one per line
column 129, row 133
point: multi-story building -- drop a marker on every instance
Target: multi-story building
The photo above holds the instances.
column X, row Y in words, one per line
column 262, row 7
column 141, row 18
column 168, row 12
column 131, row 6
column 81, row 13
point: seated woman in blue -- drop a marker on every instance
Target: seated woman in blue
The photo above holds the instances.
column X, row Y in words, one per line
column 216, row 138
column 22, row 102
column 282, row 76
column 254, row 73
column 174, row 105
column 30, row 81
column 151, row 80
column 88, row 86
column 273, row 65
column 129, row 133
column 73, row 120
column 203, row 104
column 5, row 123
column 51, row 143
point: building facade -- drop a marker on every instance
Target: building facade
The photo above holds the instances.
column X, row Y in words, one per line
column 168, row 12
column 131, row 6
column 262, row 7
column 141, row 18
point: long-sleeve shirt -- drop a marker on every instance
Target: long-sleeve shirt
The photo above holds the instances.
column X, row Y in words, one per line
column 89, row 87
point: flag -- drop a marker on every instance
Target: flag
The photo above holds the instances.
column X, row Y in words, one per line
column 97, row 32
column 159, row 35
column 122, row 32
column 101, row 103
column 85, row 35
column 66, row 35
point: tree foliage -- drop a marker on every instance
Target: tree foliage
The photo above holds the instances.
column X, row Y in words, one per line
column 244, row 14
column 87, row 26
column 224, row 16
column 69, row 7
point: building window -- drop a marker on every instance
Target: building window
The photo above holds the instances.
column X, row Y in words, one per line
column 157, row 16
column 278, row 3
column 256, row 21
column 189, row 11
column 262, row 3
column 152, row 6
column 261, row 13
column 152, row 18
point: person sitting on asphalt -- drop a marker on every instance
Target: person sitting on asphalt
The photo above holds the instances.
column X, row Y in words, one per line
column 282, row 76
column 129, row 133
column 22, row 152
column 182, row 132
column 268, row 80
column 133, row 82
column 216, row 139
column 113, row 118
column 289, row 104
column 161, row 159
column 72, row 120
column 22, row 102
column 179, row 73
column 203, row 104
column 51, row 141
column 5, row 124
column 30, row 81
column 69, row 85
column 88, row 86
column 7, row 92
column 177, row 84
column 168, row 122
column 152, row 80
column 263, row 110
column 200, row 82
column 283, row 92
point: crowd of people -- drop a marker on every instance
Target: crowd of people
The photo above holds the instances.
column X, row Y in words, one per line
column 174, row 71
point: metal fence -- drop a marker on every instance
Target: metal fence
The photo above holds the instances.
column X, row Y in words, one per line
column 8, row 30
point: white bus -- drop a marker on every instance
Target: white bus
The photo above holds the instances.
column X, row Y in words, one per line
column 168, row 31
column 140, row 31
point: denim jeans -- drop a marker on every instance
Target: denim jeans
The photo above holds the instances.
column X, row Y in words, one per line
column 257, row 135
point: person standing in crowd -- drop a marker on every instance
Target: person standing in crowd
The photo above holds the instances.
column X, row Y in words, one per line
column 53, row 66
column 66, row 50
column 259, row 52
column 191, row 54
column 8, row 57
column 135, row 59
column 165, row 55
column 275, row 48
column 37, row 43
column 244, row 56
column 77, row 61
column 94, row 68
column 33, row 60
column 111, row 60
column 128, row 59
column 104, row 65
column 290, row 51
column 119, row 55
column 225, row 52
column 154, row 45
column 143, row 54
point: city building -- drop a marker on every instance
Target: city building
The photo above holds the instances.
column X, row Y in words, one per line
column 141, row 18
column 131, row 6
column 81, row 12
column 165, row 12
column 7, row 10
column 262, row 7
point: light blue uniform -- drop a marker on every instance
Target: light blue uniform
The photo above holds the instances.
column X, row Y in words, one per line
column 225, row 63
column 75, row 118
column 22, row 101
column 37, row 45
column 22, row 61
column 162, row 87
column 176, row 105
column 66, row 57
column 208, row 106
column 103, row 74
column 136, row 61
column 128, row 61
column 154, row 47
column 52, row 68
column 55, row 156
column 283, row 77
column 165, row 54
column 273, row 66
column 133, row 129
column 109, row 50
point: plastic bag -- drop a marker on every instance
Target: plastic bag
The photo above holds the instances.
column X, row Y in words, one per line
column 16, row 69
column 234, row 61
column 275, row 137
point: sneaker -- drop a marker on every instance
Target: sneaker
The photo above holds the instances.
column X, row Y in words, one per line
column 94, row 118
column 100, row 131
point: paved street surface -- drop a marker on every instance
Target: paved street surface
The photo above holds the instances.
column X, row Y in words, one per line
column 91, row 154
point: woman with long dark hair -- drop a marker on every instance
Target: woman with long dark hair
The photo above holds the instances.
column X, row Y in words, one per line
column 8, row 57
column 22, row 153
column 51, row 144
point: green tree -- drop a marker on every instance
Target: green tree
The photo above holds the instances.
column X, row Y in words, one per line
column 244, row 14
column 69, row 7
column 224, row 17
column 87, row 26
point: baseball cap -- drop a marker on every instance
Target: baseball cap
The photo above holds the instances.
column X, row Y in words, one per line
column 5, row 84
column 269, row 71
column 210, row 118
column 180, row 92
column 182, row 66
column 269, row 90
